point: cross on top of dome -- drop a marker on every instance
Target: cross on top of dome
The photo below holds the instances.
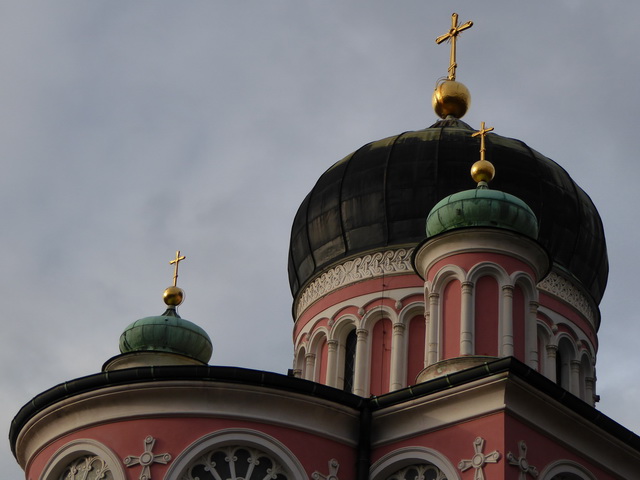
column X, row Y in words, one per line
column 451, row 37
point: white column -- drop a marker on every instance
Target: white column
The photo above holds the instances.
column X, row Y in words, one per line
column 589, row 390
column 466, row 320
column 531, row 336
column 309, row 368
column 433, row 334
column 398, row 357
column 507, row 349
column 550, row 364
column 362, row 363
column 427, row 326
column 575, row 377
column 332, row 363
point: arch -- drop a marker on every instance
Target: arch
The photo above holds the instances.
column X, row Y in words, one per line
column 77, row 449
column 491, row 269
column 543, row 337
column 299, row 361
column 237, row 437
column 342, row 326
column 587, row 377
column 529, row 287
column 569, row 470
column 445, row 275
column 409, row 311
column 318, row 347
column 343, row 329
column 403, row 457
column 565, row 356
column 377, row 313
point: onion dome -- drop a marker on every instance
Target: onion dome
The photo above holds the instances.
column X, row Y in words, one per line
column 378, row 196
column 482, row 207
column 168, row 333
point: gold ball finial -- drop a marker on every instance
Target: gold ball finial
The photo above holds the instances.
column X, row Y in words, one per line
column 173, row 296
column 451, row 98
column 483, row 171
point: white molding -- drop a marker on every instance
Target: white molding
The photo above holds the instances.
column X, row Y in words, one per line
column 559, row 287
column 406, row 456
column 76, row 449
column 170, row 399
column 372, row 265
column 237, row 437
column 566, row 466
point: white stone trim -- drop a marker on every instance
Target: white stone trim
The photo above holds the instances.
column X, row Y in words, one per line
column 560, row 287
column 78, row 448
column 403, row 457
column 566, row 466
column 354, row 270
column 237, row 437
column 181, row 398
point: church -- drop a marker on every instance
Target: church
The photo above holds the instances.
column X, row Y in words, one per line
column 445, row 287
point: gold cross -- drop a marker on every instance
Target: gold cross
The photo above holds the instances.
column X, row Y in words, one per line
column 451, row 36
column 175, row 262
column 482, row 133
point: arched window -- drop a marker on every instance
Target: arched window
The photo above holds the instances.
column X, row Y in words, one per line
column 83, row 459
column 236, row 454
column 350, row 360
column 564, row 358
column 235, row 463
column 413, row 463
column 566, row 470
column 419, row 472
column 88, row 467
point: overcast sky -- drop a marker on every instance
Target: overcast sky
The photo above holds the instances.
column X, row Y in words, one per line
column 131, row 129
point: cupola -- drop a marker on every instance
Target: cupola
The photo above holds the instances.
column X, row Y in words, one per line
column 165, row 339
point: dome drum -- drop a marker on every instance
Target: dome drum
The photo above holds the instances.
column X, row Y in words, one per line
column 379, row 196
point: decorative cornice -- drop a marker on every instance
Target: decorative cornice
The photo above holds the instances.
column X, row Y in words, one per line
column 356, row 269
column 562, row 288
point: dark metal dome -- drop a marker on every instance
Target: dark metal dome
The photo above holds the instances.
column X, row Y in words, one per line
column 380, row 195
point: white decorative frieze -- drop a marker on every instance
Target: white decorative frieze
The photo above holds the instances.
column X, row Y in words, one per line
column 560, row 287
column 333, row 472
column 479, row 459
column 355, row 270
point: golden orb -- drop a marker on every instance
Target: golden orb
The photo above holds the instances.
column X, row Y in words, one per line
column 173, row 296
column 451, row 98
column 483, row 171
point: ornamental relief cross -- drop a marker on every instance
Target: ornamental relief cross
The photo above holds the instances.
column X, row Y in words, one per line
column 479, row 460
column 147, row 458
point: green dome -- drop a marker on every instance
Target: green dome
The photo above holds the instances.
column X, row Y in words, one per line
column 482, row 207
column 167, row 333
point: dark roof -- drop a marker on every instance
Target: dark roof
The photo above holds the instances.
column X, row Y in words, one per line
column 245, row 376
column 380, row 196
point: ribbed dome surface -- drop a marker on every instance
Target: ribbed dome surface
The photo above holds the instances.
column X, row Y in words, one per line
column 167, row 333
column 380, row 195
column 482, row 207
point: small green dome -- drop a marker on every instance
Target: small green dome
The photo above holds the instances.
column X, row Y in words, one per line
column 167, row 333
column 482, row 207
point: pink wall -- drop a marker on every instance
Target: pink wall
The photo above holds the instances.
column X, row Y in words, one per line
column 486, row 316
column 381, row 357
column 451, row 320
column 416, row 346
column 173, row 435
